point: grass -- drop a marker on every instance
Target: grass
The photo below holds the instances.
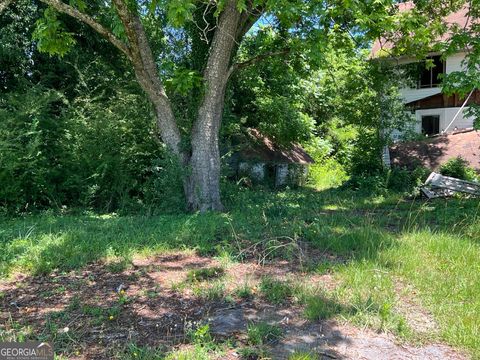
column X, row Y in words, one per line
column 205, row 274
column 263, row 333
column 383, row 241
column 275, row 291
column 303, row 355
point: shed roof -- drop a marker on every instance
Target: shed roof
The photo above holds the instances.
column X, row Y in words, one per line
column 262, row 148
column 434, row 152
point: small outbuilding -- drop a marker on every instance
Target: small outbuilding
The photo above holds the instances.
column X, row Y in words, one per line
column 263, row 161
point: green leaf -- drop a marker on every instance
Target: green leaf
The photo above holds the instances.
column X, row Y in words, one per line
column 51, row 36
column 180, row 11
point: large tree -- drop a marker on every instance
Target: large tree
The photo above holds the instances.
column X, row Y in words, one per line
column 214, row 31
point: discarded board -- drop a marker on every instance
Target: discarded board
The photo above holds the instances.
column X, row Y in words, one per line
column 441, row 186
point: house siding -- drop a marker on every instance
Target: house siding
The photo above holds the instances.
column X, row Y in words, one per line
column 447, row 114
column 454, row 63
column 446, row 117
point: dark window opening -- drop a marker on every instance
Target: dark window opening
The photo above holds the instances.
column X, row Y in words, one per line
column 430, row 75
column 431, row 125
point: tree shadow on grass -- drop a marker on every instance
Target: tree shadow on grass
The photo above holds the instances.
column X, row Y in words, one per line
column 96, row 313
column 331, row 221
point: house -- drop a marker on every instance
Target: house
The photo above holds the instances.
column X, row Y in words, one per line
column 434, row 111
column 261, row 160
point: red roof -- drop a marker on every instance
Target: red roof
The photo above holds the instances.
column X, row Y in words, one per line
column 459, row 18
column 264, row 149
column 432, row 153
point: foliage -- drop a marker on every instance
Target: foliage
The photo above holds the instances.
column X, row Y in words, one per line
column 379, row 244
column 389, row 180
column 458, row 168
column 51, row 36
column 33, row 150
column 275, row 291
column 196, row 275
column 263, row 333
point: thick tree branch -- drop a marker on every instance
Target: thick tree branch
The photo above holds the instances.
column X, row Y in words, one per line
column 257, row 59
column 4, row 4
column 142, row 55
column 147, row 75
column 71, row 11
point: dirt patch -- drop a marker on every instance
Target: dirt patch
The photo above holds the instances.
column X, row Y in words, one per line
column 409, row 306
column 94, row 313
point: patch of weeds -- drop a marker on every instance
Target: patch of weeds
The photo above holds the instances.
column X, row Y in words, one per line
column 324, row 267
column 402, row 328
column 178, row 287
column 113, row 313
column 385, row 313
column 46, row 294
column 60, row 290
column 151, row 294
column 196, row 352
column 197, row 275
column 244, row 292
column 135, row 352
column 133, row 277
column 123, row 298
column 203, row 347
column 253, row 353
column 225, row 258
column 92, row 310
column 263, row 333
column 303, row 355
column 95, row 312
column 13, row 331
column 77, row 285
column 58, row 315
column 201, row 335
column 214, row 291
column 320, row 308
column 275, row 291
column 74, row 304
column 118, row 266
column 64, row 338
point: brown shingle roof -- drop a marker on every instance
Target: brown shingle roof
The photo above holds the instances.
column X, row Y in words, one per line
column 434, row 152
column 262, row 148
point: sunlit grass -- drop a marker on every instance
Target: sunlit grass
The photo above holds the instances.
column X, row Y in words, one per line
column 433, row 247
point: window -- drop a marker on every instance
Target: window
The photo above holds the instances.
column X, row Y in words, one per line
column 430, row 75
column 431, row 125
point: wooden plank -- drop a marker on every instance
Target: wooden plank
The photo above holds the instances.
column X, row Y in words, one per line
column 446, row 182
column 429, row 193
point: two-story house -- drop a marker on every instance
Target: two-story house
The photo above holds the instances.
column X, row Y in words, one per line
column 435, row 112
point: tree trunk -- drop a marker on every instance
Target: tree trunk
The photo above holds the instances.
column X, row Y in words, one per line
column 202, row 184
column 203, row 193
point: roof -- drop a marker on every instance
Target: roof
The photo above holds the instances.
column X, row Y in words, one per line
column 262, row 148
column 434, row 152
column 459, row 18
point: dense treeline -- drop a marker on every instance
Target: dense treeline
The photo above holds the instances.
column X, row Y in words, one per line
column 67, row 135
column 77, row 131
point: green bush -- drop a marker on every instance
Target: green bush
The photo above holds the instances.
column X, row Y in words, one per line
column 392, row 180
column 458, row 168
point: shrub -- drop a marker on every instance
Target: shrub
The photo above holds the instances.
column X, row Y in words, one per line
column 458, row 168
column 394, row 180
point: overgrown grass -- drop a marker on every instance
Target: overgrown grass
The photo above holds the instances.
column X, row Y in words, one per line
column 433, row 247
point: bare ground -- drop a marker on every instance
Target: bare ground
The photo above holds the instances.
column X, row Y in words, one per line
column 91, row 314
